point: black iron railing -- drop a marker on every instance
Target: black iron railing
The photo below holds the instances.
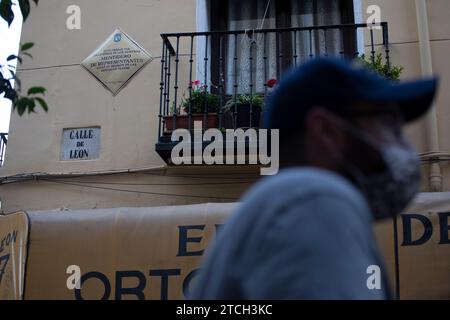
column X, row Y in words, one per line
column 223, row 68
column 3, row 143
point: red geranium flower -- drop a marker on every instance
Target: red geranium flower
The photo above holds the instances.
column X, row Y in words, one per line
column 272, row 83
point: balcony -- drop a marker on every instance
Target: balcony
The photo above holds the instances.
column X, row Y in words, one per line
column 222, row 79
column 3, row 143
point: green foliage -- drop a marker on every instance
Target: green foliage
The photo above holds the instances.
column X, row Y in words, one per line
column 7, row 13
column 26, row 46
column 256, row 100
column 25, row 7
column 174, row 109
column 378, row 65
column 198, row 99
column 21, row 103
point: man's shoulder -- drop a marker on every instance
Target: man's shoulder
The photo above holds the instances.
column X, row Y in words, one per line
column 306, row 193
column 295, row 183
column 300, row 198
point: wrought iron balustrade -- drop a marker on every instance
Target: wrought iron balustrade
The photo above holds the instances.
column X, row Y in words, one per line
column 206, row 75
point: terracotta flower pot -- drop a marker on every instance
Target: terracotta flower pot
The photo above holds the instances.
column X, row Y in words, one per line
column 182, row 121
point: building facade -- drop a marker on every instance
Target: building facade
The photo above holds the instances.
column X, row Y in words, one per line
column 130, row 169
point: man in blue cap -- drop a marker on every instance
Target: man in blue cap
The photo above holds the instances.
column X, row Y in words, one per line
column 307, row 232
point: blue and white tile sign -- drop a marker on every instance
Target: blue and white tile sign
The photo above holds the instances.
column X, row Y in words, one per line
column 80, row 144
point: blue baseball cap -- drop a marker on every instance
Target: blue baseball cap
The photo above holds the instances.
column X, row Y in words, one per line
column 346, row 88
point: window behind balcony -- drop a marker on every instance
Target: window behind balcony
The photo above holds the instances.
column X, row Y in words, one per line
column 249, row 60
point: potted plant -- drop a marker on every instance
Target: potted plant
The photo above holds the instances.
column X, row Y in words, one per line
column 200, row 105
column 378, row 65
column 238, row 108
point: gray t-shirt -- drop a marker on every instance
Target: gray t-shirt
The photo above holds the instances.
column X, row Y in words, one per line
column 303, row 234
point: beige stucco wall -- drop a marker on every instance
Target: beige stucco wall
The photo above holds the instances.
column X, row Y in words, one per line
column 77, row 99
column 438, row 11
column 404, row 44
column 163, row 187
column 129, row 120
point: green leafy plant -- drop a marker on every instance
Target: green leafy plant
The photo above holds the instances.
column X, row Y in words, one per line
column 174, row 110
column 20, row 102
column 256, row 100
column 379, row 65
column 199, row 98
column 7, row 13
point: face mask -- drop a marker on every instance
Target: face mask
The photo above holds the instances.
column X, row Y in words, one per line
column 389, row 192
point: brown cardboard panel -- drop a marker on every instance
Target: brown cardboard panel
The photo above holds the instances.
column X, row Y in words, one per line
column 424, row 248
column 419, row 261
column 154, row 249
column 152, row 253
column 13, row 254
column 384, row 235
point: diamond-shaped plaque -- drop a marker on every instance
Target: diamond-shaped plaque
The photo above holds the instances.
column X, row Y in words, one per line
column 116, row 61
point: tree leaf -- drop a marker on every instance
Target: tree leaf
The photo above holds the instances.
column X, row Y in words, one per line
column 42, row 103
column 36, row 90
column 6, row 11
column 26, row 46
column 12, row 57
column 24, row 8
column 11, row 94
column 22, row 105
column 2, row 85
column 31, row 105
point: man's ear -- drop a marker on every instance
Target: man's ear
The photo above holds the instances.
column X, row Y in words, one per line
column 324, row 131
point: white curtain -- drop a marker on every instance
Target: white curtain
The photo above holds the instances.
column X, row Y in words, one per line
column 249, row 14
column 306, row 13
